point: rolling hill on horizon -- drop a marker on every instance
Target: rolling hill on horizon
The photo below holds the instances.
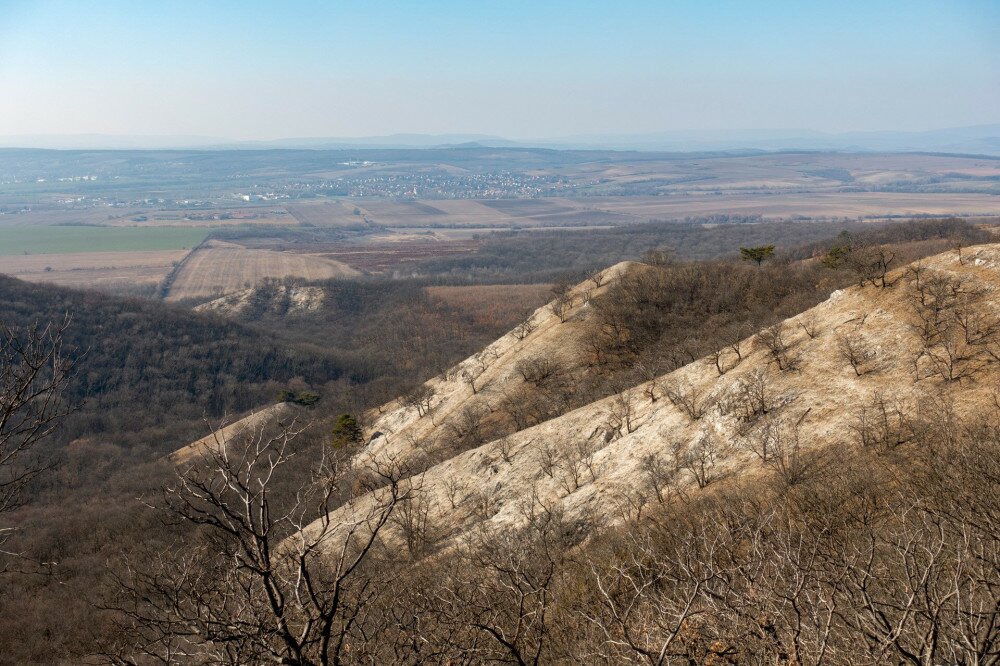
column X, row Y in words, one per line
column 975, row 139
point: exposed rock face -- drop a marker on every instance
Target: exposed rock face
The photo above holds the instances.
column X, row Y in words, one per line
column 280, row 299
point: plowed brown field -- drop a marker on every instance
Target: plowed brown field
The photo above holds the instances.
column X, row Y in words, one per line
column 93, row 269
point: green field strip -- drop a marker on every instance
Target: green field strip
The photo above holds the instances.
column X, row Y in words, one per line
column 75, row 239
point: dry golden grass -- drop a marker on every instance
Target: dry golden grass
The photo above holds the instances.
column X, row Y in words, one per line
column 590, row 462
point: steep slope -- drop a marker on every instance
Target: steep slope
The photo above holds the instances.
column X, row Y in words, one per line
column 449, row 410
column 247, row 424
column 870, row 366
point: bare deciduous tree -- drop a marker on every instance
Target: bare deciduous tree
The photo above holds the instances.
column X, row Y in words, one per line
column 872, row 263
column 420, row 399
column 809, row 324
column 474, row 369
column 688, row 398
column 622, row 413
column 719, row 358
column 562, row 307
column 883, row 424
column 778, row 443
column 700, row 458
column 597, row 277
column 262, row 577
column 651, row 389
column 520, row 407
column 577, row 464
column 412, row 519
column 453, row 488
column 467, row 429
column 505, row 447
column 751, row 398
column 548, row 457
column 776, row 340
column 659, row 476
column 525, row 328
column 537, row 370
column 34, row 372
column 853, row 349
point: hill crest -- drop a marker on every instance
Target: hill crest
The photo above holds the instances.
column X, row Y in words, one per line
column 908, row 356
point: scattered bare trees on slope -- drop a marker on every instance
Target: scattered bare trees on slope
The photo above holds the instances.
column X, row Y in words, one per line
column 891, row 555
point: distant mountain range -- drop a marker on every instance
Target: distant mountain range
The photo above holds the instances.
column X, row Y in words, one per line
column 980, row 139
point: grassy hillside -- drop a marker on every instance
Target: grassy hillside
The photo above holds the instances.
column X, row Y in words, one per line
column 824, row 491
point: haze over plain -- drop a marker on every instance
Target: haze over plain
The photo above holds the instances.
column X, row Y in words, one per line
column 237, row 71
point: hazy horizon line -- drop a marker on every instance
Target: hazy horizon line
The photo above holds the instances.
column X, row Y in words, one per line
column 983, row 139
column 493, row 135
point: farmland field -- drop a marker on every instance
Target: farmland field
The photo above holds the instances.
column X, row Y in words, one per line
column 104, row 270
column 378, row 257
column 523, row 207
column 22, row 240
column 327, row 214
column 220, row 268
column 785, row 205
column 323, row 213
column 144, row 217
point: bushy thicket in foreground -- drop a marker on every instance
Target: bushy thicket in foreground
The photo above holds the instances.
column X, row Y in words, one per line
column 872, row 555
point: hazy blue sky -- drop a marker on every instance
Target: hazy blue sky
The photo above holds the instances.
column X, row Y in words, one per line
column 518, row 69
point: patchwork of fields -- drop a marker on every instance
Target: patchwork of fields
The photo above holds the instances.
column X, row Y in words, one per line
column 111, row 258
column 802, row 204
column 296, row 227
column 461, row 213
